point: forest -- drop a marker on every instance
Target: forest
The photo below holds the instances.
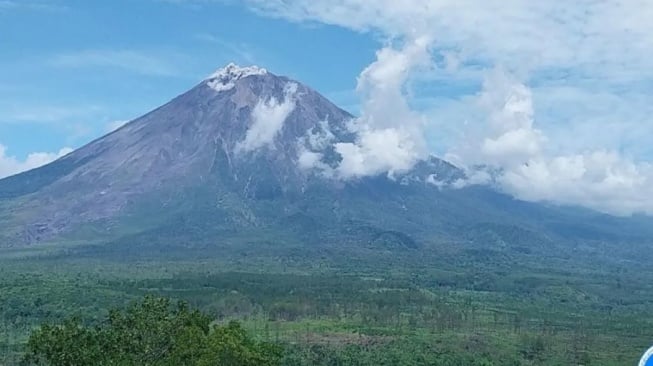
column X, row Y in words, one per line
column 391, row 308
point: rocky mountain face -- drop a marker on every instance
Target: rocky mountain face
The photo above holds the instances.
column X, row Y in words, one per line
column 240, row 131
column 231, row 157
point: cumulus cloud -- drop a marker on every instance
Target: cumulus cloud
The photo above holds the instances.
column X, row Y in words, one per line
column 603, row 180
column 10, row 165
column 561, row 112
column 511, row 153
column 267, row 120
column 376, row 151
column 114, row 125
column 390, row 136
column 505, row 134
column 309, row 159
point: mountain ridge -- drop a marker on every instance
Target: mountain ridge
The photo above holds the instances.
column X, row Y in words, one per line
column 226, row 157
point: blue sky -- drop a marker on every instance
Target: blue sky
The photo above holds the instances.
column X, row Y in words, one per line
column 71, row 68
column 553, row 97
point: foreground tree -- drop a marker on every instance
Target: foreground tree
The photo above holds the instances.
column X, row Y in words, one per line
column 152, row 332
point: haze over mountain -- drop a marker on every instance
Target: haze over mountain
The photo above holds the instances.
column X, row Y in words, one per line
column 249, row 154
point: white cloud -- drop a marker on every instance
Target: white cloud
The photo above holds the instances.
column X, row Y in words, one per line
column 311, row 147
column 512, row 154
column 313, row 161
column 267, row 120
column 321, row 137
column 567, row 118
column 225, row 78
column 114, row 125
column 10, row 165
column 377, row 151
column 309, row 159
column 389, row 135
column 131, row 60
column 518, row 33
column 505, row 135
column 603, row 180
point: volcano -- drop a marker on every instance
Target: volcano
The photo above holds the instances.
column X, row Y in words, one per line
column 247, row 154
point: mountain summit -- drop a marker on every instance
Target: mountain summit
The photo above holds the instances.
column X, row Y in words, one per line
column 240, row 128
column 247, row 154
column 225, row 78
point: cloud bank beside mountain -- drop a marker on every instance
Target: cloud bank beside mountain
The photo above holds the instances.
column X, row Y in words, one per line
column 10, row 165
column 560, row 113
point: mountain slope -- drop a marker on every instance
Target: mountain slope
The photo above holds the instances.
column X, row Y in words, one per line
column 177, row 145
column 227, row 160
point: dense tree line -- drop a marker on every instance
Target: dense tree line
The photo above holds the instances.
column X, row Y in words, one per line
column 328, row 319
column 156, row 332
column 151, row 332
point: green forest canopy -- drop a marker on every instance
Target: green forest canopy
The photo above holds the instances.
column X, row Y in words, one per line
column 150, row 332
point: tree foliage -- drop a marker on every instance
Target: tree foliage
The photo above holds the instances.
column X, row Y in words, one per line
column 151, row 332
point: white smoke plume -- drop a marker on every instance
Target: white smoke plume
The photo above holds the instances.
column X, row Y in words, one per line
column 267, row 120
